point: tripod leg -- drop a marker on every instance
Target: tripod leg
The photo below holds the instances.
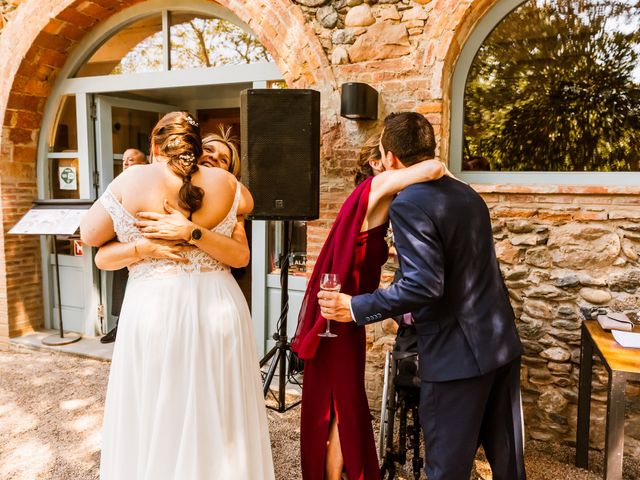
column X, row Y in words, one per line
column 271, row 372
column 282, row 380
column 268, row 356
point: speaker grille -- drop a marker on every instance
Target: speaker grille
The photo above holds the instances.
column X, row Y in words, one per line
column 280, row 143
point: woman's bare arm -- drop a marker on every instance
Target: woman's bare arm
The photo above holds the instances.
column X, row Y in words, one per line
column 387, row 184
column 233, row 251
column 96, row 226
column 116, row 255
column 390, row 182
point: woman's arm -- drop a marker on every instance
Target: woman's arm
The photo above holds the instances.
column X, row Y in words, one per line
column 390, row 182
column 96, row 226
column 246, row 201
column 385, row 185
column 233, row 251
column 116, row 255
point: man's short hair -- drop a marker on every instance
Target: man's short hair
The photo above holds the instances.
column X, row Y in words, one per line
column 409, row 136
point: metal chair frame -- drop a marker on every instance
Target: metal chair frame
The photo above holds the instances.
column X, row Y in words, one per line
column 399, row 400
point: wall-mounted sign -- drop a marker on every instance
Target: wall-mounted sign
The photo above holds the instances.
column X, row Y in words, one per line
column 67, row 178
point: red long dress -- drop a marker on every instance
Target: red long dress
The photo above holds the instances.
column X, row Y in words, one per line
column 334, row 378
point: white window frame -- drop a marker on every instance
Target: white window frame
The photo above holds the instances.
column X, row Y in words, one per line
column 461, row 71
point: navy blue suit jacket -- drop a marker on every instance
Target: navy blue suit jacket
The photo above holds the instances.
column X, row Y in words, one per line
column 451, row 283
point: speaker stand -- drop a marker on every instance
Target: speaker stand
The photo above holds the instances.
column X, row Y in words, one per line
column 64, row 338
column 278, row 356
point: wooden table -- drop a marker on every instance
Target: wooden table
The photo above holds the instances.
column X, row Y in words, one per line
column 622, row 364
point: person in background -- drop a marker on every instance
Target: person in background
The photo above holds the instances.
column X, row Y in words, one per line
column 130, row 157
column 219, row 150
column 335, row 425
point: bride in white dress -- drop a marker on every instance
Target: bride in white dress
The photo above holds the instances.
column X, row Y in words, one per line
column 184, row 399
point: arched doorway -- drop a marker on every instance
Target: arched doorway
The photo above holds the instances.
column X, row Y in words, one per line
column 140, row 63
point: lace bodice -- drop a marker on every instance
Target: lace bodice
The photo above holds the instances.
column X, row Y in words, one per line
column 198, row 261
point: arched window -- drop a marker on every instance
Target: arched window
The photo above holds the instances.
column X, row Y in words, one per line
column 550, row 86
column 180, row 41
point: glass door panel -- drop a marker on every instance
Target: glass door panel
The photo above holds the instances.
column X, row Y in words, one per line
column 121, row 124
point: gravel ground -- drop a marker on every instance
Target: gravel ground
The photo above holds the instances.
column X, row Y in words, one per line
column 51, row 411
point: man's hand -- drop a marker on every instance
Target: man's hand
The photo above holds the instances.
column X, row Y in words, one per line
column 335, row 306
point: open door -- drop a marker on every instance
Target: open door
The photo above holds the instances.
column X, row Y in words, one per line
column 120, row 124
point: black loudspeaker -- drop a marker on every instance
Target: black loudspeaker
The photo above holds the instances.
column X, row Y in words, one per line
column 280, row 143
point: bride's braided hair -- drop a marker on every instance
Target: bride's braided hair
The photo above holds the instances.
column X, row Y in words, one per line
column 177, row 136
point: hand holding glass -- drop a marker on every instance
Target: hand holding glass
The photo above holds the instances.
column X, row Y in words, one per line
column 329, row 282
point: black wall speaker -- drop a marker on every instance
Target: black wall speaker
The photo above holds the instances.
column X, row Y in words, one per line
column 280, row 143
column 359, row 101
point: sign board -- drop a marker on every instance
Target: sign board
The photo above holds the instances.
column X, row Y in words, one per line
column 49, row 221
column 67, row 178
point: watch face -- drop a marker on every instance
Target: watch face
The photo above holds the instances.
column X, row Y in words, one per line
column 196, row 234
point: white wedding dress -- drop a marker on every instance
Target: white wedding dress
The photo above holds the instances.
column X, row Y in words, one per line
column 184, row 400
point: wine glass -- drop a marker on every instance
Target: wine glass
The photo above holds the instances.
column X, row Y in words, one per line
column 329, row 282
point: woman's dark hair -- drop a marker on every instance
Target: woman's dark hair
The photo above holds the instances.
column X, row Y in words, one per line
column 369, row 151
column 177, row 136
column 409, row 136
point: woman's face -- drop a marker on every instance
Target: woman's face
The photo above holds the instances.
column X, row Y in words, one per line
column 216, row 154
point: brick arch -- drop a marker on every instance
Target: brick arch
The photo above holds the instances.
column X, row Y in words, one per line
column 447, row 29
column 36, row 43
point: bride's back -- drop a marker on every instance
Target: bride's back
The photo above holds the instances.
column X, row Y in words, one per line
column 145, row 187
column 204, row 194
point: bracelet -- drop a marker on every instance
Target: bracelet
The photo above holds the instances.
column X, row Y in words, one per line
column 135, row 248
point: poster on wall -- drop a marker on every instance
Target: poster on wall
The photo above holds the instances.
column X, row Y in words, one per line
column 67, row 178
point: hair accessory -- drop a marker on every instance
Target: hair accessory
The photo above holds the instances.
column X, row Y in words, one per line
column 174, row 143
column 187, row 160
column 191, row 121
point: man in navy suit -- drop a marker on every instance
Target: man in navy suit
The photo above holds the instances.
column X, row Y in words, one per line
column 468, row 345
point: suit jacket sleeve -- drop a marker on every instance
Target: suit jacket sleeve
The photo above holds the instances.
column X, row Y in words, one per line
column 420, row 247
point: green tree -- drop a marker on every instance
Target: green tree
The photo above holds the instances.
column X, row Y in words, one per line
column 555, row 87
column 195, row 43
column 213, row 42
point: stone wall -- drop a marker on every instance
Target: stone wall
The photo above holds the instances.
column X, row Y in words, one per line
column 561, row 255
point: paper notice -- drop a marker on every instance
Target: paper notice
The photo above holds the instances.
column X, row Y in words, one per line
column 627, row 339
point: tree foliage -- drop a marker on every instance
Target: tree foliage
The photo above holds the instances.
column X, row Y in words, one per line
column 195, row 43
column 213, row 42
column 556, row 87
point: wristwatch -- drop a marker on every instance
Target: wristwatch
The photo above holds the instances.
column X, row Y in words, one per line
column 196, row 234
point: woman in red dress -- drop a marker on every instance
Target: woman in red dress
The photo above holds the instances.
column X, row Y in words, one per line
column 335, row 432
